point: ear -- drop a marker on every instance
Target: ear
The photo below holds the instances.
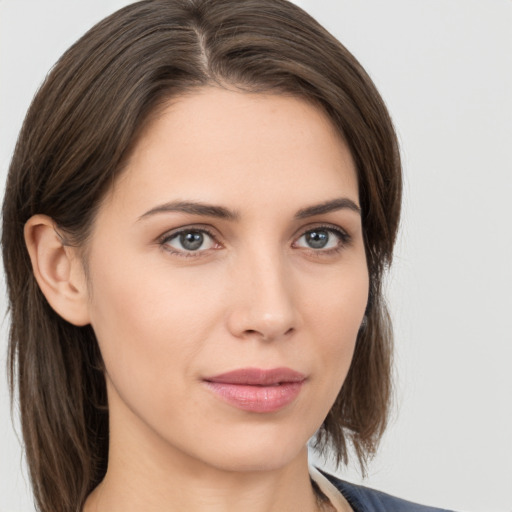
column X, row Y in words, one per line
column 58, row 270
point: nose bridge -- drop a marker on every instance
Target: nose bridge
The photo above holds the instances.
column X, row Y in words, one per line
column 263, row 302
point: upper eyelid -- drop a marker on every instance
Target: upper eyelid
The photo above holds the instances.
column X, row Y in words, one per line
column 171, row 233
column 210, row 230
column 322, row 225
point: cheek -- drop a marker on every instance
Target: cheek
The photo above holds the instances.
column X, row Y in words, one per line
column 149, row 319
column 335, row 314
column 336, row 303
column 153, row 323
column 146, row 325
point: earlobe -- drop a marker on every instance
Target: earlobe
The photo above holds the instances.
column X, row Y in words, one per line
column 58, row 270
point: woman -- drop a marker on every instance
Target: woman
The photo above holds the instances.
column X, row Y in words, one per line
column 199, row 211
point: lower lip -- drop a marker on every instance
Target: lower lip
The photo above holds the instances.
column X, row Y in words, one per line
column 257, row 398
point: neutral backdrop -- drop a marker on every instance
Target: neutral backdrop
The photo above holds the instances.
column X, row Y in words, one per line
column 444, row 68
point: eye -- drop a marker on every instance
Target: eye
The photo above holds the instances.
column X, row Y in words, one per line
column 189, row 241
column 323, row 239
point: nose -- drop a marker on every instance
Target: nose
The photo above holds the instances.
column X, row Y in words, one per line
column 262, row 299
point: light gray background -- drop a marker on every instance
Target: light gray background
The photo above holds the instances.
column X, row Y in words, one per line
column 444, row 68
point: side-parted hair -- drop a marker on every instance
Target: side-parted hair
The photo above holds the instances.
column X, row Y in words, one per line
column 82, row 124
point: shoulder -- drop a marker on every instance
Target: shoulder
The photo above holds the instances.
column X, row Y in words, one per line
column 364, row 499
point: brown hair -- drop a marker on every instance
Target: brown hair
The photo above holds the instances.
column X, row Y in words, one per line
column 78, row 132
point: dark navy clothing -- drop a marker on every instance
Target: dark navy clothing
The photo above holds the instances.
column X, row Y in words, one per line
column 363, row 499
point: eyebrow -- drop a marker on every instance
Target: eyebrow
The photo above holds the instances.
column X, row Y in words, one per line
column 220, row 212
column 333, row 205
column 194, row 208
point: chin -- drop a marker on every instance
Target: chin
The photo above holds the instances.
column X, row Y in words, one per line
column 252, row 462
column 253, row 452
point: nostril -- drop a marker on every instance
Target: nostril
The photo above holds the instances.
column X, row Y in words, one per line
column 266, row 335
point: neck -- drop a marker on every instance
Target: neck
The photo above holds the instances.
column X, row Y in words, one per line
column 145, row 473
column 208, row 490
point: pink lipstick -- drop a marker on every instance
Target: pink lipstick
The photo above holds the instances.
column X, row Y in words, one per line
column 257, row 390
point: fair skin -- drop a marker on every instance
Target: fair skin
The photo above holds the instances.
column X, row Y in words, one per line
column 178, row 294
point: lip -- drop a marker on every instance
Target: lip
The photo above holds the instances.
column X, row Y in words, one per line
column 257, row 390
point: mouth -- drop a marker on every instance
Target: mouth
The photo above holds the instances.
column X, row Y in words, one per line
column 257, row 390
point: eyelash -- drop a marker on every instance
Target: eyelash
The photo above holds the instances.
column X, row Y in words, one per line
column 165, row 239
column 344, row 240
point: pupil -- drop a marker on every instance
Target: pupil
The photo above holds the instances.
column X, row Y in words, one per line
column 317, row 239
column 192, row 240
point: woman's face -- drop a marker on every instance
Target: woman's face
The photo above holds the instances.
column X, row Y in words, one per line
column 228, row 281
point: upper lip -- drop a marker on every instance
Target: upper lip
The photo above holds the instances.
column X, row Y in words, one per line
column 258, row 376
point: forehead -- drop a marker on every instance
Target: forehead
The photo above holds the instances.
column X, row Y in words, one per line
column 217, row 145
